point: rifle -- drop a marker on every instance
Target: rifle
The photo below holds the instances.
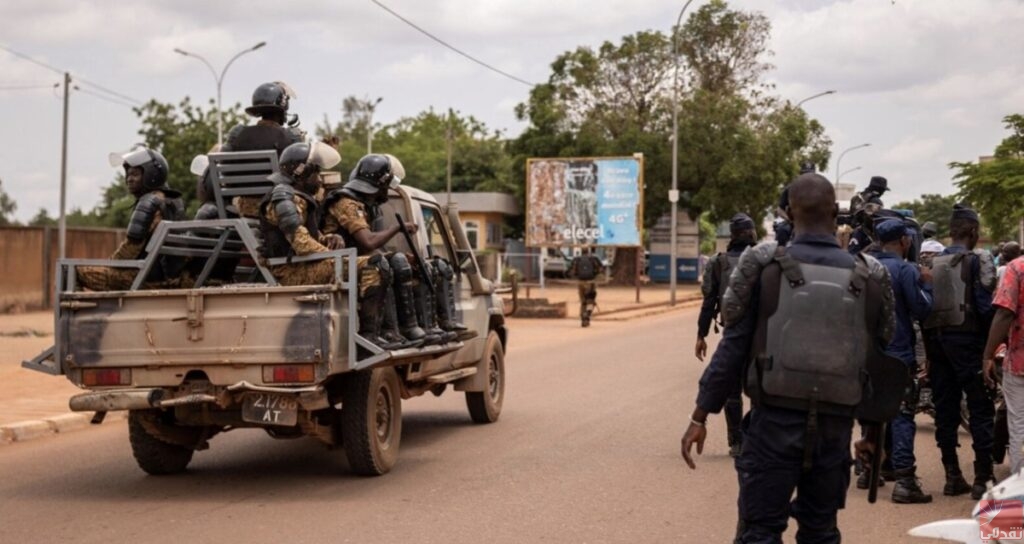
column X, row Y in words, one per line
column 415, row 253
column 876, row 435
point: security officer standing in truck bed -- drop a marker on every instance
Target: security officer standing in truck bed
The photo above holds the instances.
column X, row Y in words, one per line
column 716, row 277
column 955, row 335
column 804, row 389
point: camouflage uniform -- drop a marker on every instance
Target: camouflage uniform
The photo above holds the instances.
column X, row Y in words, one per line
column 347, row 217
column 109, row 278
column 303, row 243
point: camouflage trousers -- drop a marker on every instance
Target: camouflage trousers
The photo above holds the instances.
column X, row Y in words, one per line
column 322, row 272
column 109, row 278
column 588, row 296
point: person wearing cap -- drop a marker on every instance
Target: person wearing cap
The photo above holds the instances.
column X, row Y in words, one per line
column 955, row 335
column 912, row 293
column 1008, row 326
column 586, row 268
column 145, row 175
column 929, row 249
column 270, row 104
column 929, row 230
column 716, row 276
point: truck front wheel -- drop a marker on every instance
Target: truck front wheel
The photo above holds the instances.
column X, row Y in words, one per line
column 153, row 455
column 485, row 406
column 371, row 420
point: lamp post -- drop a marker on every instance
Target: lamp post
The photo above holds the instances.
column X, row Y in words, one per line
column 673, row 195
column 840, row 160
column 813, row 96
column 370, row 108
column 847, row 171
column 219, row 79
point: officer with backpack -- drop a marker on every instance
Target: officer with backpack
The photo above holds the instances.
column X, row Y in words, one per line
column 782, row 311
column 955, row 334
column 716, row 277
column 585, row 268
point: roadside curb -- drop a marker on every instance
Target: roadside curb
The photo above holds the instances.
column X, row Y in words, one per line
column 647, row 310
column 23, row 431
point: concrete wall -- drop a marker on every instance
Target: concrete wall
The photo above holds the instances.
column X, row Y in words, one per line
column 28, row 261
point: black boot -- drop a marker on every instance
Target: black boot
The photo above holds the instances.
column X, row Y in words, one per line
column 421, row 301
column 982, row 477
column 389, row 329
column 908, row 489
column 444, row 293
column 406, row 309
column 864, row 480
column 955, row 482
column 370, row 315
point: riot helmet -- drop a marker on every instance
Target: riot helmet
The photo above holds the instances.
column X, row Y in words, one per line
column 153, row 164
column 374, row 174
column 301, row 163
column 271, row 98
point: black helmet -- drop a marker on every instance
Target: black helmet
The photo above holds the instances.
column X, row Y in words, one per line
column 374, row 173
column 153, row 164
column 302, row 160
column 270, row 98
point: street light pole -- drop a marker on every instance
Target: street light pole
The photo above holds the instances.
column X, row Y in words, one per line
column 370, row 108
column 844, row 172
column 840, row 160
column 219, row 79
column 673, row 195
column 813, row 96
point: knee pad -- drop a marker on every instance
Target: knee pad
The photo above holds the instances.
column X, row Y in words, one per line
column 383, row 268
column 401, row 268
column 444, row 269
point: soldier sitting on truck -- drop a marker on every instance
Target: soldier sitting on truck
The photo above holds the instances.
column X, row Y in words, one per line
column 289, row 216
column 386, row 298
column 270, row 104
column 145, row 174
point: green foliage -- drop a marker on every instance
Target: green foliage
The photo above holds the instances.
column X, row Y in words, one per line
column 178, row 131
column 708, row 235
column 42, row 219
column 7, row 208
column 996, row 188
column 932, row 207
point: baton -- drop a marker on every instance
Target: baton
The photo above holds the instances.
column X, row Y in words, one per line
column 415, row 252
column 877, row 435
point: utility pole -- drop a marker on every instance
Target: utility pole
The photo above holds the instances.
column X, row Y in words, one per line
column 62, row 221
column 448, row 145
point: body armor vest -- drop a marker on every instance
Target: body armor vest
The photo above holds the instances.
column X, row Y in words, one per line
column 726, row 263
column 171, row 208
column 952, row 293
column 259, row 137
column 373, row 213
column 812, row 342
column 275, row 243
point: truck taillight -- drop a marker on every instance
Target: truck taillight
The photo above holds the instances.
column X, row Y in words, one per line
column 288, row 374
column 106, row 376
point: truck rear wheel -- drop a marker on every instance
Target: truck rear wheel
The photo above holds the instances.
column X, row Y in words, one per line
column 485, row 406
column 153, row 455
column 371, row 420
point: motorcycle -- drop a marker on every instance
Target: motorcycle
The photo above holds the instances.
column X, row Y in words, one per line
column 996, row 517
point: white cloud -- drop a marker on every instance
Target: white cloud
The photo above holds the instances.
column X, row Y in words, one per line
column 912, row 150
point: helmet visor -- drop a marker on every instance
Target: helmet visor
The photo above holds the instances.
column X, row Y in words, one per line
column 287, row 89
column 199, row 164
column 323, row 155
column 135, row 157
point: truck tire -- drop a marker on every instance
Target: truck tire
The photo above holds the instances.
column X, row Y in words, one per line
column 153, row 455
column 485, row 406
column 371, row 420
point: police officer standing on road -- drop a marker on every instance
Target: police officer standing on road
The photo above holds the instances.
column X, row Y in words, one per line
column 804, row 390
column 912, row 295
column 716, row 278
column 955, row 334
column 586, row 267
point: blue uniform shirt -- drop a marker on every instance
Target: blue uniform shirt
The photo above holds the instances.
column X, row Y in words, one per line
column 710, row 308
column 913, row 303
column 733, row 354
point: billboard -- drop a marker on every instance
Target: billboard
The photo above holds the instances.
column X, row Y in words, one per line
column 584, row 201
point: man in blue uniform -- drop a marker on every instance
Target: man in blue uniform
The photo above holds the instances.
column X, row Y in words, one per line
column 804, row 390
column 912, row 293
column 955, row 334
column 716, row 277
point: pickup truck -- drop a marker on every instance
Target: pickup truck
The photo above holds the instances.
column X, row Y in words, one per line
column 188, row 364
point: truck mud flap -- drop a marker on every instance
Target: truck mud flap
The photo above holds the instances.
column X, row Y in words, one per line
column 44, row 362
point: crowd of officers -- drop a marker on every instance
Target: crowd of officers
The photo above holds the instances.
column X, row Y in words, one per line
column 816, row 324
column 404, row 302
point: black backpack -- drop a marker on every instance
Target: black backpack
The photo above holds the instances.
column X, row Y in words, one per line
column 585, row 269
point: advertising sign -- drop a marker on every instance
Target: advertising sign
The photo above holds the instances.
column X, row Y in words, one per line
column 584, row 202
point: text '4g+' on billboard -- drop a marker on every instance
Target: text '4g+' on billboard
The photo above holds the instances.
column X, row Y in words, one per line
column 584, row 201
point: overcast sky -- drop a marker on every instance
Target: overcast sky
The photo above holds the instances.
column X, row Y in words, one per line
column 925, row 82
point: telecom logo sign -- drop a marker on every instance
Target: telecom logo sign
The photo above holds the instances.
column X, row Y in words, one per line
column 582, row 202
column 1001, row 520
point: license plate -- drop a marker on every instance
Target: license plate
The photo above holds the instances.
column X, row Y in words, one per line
column 270, row 409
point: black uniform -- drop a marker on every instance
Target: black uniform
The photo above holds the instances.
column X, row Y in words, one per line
column 780, row 454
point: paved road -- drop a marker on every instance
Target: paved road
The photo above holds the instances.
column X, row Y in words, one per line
column 587, row 450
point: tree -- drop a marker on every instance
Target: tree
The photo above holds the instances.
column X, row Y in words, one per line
column 7, row 208
column 932, row 207
column 42, row 219
column 179, row 132
column 996, row 188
